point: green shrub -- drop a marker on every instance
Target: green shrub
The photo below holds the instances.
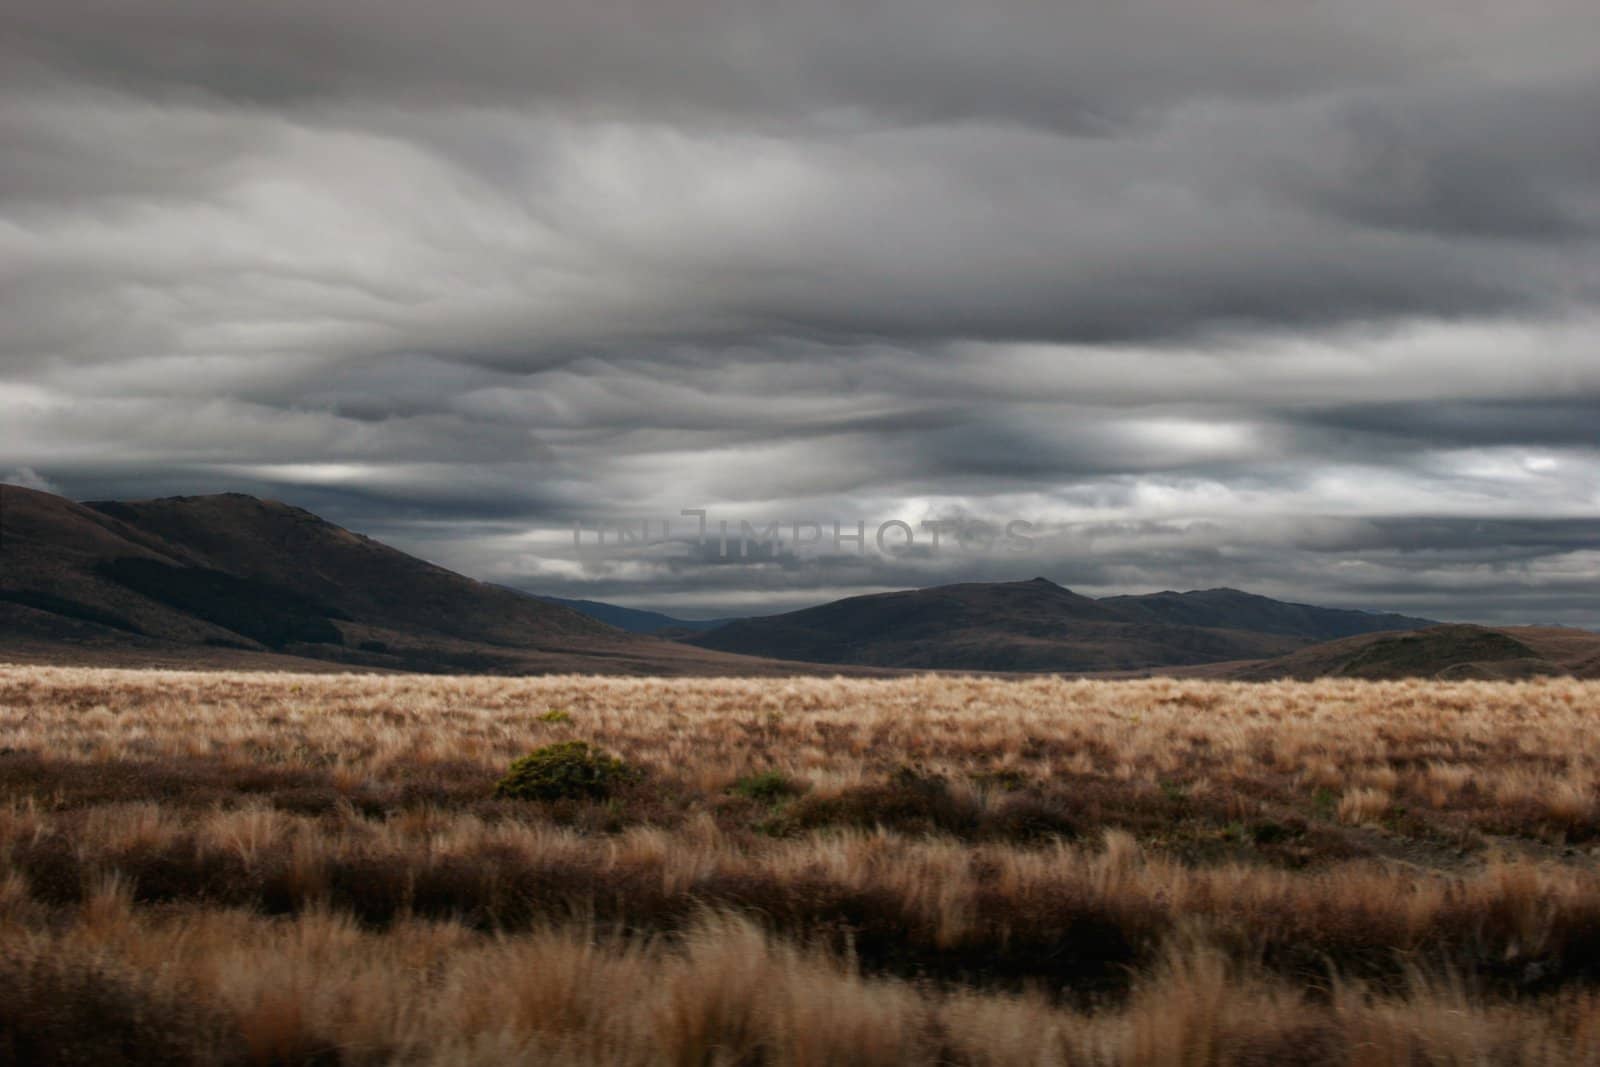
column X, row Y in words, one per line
column 569, row 769
column 768, row 787
column 556, row 715
column 1326, row 803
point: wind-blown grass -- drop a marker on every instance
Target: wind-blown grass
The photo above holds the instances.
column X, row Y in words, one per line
column 278, row 869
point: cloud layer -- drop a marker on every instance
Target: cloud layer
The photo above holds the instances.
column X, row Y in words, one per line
column 1305, row 300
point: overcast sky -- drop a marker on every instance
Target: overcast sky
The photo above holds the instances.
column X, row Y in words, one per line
column 1302, row 298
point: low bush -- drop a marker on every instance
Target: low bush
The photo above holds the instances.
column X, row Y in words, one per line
column 568, row 770
column 1022, row 817
column 768, row 787
column 909, row 801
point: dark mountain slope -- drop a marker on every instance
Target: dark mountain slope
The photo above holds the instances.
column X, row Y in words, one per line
column 1023, row 626
column 351, row 575
column 635, row 620
column 52, row 552
column 200, row 579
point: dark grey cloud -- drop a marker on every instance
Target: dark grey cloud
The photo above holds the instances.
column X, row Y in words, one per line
column 1511, row 163
column 901, row 59
column 1550, row 422
column 1297, row 299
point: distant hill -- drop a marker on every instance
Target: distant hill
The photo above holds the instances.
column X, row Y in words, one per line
column 1233, row 609
column 636, row 621
column 1454, row 651
column 232, row 579
column 1008, row 626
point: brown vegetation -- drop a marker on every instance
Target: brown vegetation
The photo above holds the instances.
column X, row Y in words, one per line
column 316, row 869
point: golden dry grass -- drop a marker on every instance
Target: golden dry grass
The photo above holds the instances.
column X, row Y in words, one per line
column 233, row 867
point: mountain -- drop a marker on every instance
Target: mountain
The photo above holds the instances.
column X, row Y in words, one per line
column 1010, row 626
column 1453, row 651
column 232, row 579
column 634, row 620
column 1233, row 609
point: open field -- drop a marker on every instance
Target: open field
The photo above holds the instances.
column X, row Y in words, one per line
column 255, row 868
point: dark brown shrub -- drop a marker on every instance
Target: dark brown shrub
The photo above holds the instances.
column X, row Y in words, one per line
column 80, row 1010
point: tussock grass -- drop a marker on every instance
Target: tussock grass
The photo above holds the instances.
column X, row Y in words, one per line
column 250, row 868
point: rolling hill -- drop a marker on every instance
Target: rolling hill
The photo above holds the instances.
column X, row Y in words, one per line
column 1036, row 626
column 1234, row 609
column 231, row 579
column 1447, row 652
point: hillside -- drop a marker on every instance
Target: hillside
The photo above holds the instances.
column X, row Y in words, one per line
column 233, row 580
column 1451, row 652
column 1010, row 626
column 1237, row 610
column 636, row 620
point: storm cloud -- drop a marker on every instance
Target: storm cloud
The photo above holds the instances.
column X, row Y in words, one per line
column 1302, row 299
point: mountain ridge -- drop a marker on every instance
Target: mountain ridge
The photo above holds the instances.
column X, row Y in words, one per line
column 1031, row 625
column 228, row 578
column 1238, row 609
column 234, row 580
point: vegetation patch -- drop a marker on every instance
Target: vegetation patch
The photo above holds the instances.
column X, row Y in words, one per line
column 567, row 770
column 1435, row 650
column 909, row 801
column 1003, row 780
column 767, row 787
column 76, row 1008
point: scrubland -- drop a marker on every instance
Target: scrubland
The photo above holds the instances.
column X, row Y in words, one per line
column 276, row 869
